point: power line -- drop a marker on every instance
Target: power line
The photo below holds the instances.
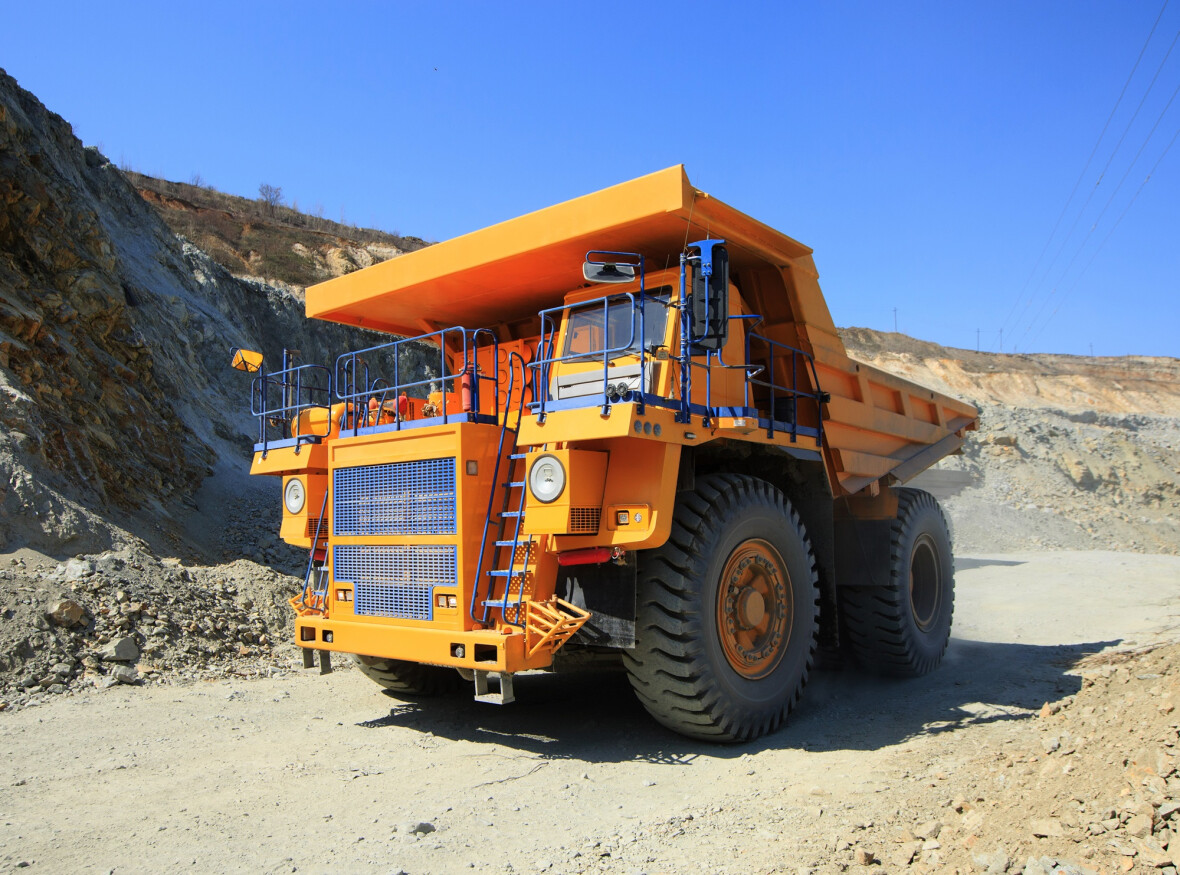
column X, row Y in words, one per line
column 1110, row 233
column 1082, row 175
column 1090, row 196
column 1105, row 207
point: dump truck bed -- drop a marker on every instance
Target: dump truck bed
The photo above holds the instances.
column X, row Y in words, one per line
column 875, row 424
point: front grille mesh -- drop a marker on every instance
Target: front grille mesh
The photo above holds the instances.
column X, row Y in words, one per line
column 395, row 580
column 400, row 498
column 584, row 520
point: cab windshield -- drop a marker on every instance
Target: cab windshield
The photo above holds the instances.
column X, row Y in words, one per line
column 585, row 335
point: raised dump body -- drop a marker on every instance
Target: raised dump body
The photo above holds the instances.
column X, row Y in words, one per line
column 642, row 437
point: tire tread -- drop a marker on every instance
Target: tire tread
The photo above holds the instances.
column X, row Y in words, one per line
column 411, row 678
column 669, row 668
column 875, row 618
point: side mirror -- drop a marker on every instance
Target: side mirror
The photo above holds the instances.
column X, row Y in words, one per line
column 246, row 360
column 608, row 273
column 709, row 304
column 602, row 266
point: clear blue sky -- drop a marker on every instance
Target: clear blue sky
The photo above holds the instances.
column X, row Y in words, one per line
column 925, row 150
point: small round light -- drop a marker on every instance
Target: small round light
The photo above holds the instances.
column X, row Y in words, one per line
column 294, row 495
column 546, row 478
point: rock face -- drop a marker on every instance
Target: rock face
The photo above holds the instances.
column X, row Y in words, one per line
column 1072, row 452
column 77, row 372
column 114, row 346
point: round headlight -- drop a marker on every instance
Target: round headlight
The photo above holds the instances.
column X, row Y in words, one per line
column 546, row 478
column 294, row 495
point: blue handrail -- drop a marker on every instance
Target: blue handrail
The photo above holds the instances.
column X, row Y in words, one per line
column 355, row 383
column 792, row 391
column 545, row 359
column 299, row 388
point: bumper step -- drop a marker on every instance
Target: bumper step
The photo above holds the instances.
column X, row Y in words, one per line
column 502, row 696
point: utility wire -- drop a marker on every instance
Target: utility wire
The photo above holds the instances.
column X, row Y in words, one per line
column 1110, row 233
column 1097, row 183
column 1082, row 175
column 1097, row 221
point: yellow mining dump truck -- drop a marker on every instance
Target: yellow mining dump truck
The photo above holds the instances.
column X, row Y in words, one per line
column 642, row 440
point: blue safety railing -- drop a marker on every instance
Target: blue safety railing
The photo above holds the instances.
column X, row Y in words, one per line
column 277, row 399
column 616, row 307
column 549, row 328
column 777, row 378
column 369, row 395
column 779, row 394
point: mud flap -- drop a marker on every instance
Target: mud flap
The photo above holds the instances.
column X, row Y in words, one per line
column 607, row 591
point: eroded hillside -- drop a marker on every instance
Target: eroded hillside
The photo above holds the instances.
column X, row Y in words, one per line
column 254, row 239
column 1072, row 452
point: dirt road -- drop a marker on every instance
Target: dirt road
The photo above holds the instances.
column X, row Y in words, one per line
column 310, row 774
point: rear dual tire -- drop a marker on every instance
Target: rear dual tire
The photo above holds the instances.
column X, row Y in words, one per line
column 902, row 628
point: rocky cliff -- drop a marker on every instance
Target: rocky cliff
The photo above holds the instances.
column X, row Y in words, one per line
column 116, row 400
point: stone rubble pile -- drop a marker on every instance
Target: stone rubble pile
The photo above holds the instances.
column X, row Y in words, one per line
column 1086, row 786
column 128, row 617
column 1091, row 787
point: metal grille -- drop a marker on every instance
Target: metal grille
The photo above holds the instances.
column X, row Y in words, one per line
column 317, row 524
column 402, row 498
column 584, row 520
column 393, row 580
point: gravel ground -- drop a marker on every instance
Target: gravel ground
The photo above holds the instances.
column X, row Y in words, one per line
column 956, row 771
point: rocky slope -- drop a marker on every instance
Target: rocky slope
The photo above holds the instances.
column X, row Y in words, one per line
column 267, row 241
column 118, row 403
column 1072, row 452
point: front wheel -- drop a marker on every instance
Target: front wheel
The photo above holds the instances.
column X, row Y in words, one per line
column 903, row 628
column 413, row 678
column 727, row 613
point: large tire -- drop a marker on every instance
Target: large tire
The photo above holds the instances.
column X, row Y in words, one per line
column 411, row 678
column 902, row 628
column 726, row 661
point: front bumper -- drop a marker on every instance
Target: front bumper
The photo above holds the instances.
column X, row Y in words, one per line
column 480, row 649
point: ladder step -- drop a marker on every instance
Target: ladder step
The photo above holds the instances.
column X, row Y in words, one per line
column 513, row 513
column 514, row 484
column 517, row 455
column 503, row 573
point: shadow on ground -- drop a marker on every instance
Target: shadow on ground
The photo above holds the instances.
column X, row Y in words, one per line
column 594, row 717
column 966, row 564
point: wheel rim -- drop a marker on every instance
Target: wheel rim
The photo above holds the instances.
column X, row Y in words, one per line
column 925, row 582
column 754, row 608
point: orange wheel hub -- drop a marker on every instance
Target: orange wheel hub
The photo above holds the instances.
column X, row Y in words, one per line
column 754, row 609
